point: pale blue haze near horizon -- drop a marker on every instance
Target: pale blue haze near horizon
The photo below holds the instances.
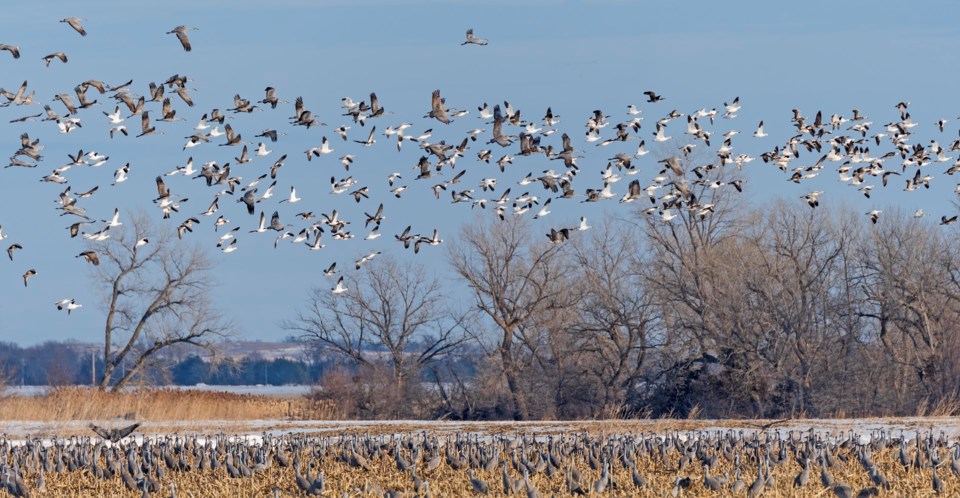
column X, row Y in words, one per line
column 572, row 56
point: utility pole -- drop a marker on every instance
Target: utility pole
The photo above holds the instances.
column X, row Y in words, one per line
column 93, row 368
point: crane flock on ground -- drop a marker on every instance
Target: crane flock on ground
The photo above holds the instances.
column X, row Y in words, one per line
column 465, row 170
column 422, row 463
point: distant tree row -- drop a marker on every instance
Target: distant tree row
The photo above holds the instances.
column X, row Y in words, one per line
column 60, row 364
column 67, row 364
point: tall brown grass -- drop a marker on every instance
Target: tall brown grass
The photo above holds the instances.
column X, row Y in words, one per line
column 81, row 403
column 946, row 406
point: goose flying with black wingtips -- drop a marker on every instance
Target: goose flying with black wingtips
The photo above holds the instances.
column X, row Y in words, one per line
column 473, row 40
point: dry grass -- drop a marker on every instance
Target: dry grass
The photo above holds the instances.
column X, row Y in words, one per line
column 947, row 406
column 80, row 403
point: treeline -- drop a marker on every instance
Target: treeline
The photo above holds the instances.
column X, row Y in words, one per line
column 67, row 364
column 785, row 311
column 62, row 364
column 250, row 370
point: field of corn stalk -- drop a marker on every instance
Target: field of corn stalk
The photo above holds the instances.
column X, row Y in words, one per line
column 597, row 459
column 201, row 444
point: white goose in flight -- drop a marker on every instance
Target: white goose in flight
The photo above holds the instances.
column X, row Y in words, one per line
column 473, row 40
column 232, row 246
column 68, row 304
column 340, row 288
column 366, row 258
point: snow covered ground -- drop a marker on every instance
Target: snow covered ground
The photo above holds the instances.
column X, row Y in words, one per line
column 864, row 428
column 258, row 389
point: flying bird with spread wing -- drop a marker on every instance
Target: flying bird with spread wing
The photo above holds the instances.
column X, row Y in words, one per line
column 114, row 435
column 437, row 109
column 13, row 49
column 74, row 22
column 473, row 40
column 181, row 32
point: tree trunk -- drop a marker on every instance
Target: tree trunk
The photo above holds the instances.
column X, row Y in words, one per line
column 520, row 411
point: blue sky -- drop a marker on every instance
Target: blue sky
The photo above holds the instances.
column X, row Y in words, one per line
column 573, row 56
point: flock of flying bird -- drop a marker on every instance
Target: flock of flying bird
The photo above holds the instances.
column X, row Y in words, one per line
column 680, row 184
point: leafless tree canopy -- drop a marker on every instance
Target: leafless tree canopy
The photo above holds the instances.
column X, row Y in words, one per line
column 393, row 316
column 697, row 303
column 616, row 323
column 513, row 279
column 156, row 295
column 784, row 311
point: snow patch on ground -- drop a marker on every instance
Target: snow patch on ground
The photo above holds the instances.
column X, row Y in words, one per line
column 254, row 431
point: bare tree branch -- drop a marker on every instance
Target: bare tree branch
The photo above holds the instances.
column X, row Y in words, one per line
column 156, row 296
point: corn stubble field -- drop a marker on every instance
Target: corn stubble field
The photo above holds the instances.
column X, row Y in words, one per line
column 211, row 444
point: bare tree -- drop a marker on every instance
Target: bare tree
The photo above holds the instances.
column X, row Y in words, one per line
column 392, row 307
column 794, row 295
column 513, row 279
column 156, row 296
column 616, row 320
column 693, row 286
column 909, row 276
column 548, row 354
column 684, row 249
